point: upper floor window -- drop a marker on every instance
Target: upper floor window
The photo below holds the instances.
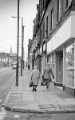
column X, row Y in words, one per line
column 66, row 5
column 51, row 24
column 43, row 30
column 47, row 26
column 43, row 4
column 59, row 9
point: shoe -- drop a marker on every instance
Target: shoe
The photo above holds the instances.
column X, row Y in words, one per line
column 47, row 86
column 35, row 90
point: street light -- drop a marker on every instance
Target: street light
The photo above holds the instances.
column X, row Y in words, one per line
column 17, row 70
column 22, row 48
column 17, row 76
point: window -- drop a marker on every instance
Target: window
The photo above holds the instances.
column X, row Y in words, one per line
column 43, row 30
column 69, row 65
column 66, row 3
column 43, row 4
column 58, row 10
column 51, row 25
column 47, row 26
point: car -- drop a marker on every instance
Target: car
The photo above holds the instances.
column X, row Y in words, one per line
column 14, row 66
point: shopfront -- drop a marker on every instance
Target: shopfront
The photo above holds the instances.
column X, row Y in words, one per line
column 62, row 44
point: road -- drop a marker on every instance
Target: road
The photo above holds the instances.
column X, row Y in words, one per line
column 7, row 76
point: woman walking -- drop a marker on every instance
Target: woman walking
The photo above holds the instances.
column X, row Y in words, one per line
column 35, row 76
column 47, row 75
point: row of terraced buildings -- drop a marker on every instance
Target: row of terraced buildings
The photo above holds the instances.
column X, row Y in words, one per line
column 53, row 41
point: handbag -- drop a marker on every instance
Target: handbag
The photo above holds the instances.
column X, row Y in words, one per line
column 31, row 84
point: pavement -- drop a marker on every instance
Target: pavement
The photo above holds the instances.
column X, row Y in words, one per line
column 52, row 100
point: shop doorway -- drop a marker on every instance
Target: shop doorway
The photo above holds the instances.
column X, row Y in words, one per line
column 59, row 67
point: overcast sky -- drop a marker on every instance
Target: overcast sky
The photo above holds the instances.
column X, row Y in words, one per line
column 8, row 28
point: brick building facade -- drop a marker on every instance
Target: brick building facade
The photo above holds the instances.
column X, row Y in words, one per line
column 54, row 33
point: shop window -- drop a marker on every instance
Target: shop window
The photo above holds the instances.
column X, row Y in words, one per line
column 69, row 65
column 70, row 56
column 51, row 61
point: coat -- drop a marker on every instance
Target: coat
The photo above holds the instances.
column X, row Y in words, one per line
column 47, row 74
column 35, row 76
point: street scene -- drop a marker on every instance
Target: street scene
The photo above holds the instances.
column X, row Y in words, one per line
column 37, row 60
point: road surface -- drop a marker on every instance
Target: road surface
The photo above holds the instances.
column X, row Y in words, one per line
column 7, row 75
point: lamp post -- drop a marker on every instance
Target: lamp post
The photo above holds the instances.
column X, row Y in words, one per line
column 17, row 70
column 17, row 67
column 22, row 48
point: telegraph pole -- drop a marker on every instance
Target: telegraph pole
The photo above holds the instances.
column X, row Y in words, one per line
column 23, row 57
column 22, row 49
column 17, row 71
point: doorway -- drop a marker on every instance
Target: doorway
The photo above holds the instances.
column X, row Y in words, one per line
column 59, row 67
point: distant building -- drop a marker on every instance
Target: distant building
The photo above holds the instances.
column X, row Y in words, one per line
column 4, row 59
column 7, row 59
column 13, row 57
